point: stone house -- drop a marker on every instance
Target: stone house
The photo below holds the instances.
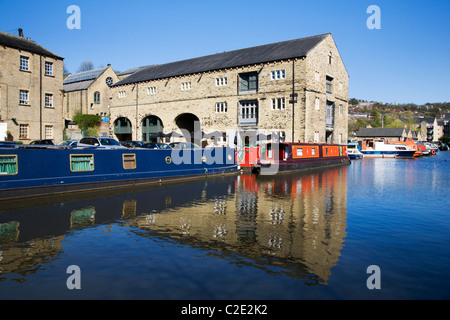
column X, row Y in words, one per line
column 88, row 92
column 297, row 88
column 31, row 78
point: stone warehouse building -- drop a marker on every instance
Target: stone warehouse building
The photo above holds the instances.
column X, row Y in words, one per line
column 297, row 88
column 31, row 83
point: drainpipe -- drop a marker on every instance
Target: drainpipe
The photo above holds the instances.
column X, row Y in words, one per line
column 293, row 99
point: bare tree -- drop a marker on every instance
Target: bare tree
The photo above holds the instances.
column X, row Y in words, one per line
column 85, row 66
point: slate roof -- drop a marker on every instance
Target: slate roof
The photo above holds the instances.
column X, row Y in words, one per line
column 21, row 43
column 296, row 48
column 75, row 86
column 380, row 132
column 84, row 75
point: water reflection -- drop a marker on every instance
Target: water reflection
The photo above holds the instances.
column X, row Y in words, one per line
column 292, row 224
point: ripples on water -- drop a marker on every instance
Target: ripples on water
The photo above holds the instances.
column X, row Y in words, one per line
column 308, row 235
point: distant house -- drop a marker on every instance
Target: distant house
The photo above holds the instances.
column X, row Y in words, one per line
column 429, row 127
column 390, row 134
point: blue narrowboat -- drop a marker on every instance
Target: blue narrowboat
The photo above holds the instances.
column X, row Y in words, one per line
column 32, row 171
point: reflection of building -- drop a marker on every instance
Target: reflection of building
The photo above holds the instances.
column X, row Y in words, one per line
column 294, row 223
column 298, row 88
column 30, row 89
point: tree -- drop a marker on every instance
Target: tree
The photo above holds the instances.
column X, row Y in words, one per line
column 353, row 102
column 87, row 122
column 86, row 66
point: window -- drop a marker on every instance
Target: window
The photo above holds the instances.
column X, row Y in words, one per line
column 221, row 107
column 316, row 136
column 341, row 109
column 313, row 151
column 48, row 100
column 97, row 97
column 151, row 90
column 122, row 94
column 248, row 113
column 48, row 132
column 8, row 164
column 23, row 131
column 109, row 81
column 329, row 58
column 278, row 103
column 278, row 74
column 299, row 152
column 129, row 161
column 317, row 103
column 329, row 85
column 248, row 82
column 81, row 162
column 23, row 97
column 24, row 65
column 317, row 76
column 340, row 138
column 186, row 85
column 48, row 68
column 222, row 81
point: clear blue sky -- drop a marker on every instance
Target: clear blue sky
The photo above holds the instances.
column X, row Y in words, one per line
column 407, row 60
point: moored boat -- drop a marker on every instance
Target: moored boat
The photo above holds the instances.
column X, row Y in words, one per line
column 28, row 171
column 410, row 145
column 291, row 156
column 353, row 151
column 380, row 149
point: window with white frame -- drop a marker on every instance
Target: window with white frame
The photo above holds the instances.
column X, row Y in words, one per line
column 151, row 90
column 122, row 94
column 23, row 97
column 48, row 132
column 97, row 97
column 186, row 85
column 48, row 68
column 316, row 136
column 221, row 81
column 278, row 103
column 221, row 107
column 341, row 109
column 23, row 131
column 24, row 63
column 278, row 74
column 317, row 103
column 48, row 100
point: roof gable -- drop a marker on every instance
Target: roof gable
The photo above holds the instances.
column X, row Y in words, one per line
column 255, row 55
column 21, row 43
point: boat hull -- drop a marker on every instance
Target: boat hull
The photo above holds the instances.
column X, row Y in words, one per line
column 35, row 172
column 389, row 154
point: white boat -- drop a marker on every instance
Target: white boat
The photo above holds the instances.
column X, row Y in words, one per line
column 353, row 151
column 379, row 149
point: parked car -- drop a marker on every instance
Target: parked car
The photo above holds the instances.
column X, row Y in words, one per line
column 152, row 145
column 69, row 143
column 132, row 144
column 183, row 145
column 101, row 142
column 47, row 142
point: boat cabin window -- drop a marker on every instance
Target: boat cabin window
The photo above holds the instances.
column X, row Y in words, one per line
column 8, row 165
column 299, row 152
column 81, row 162
column 129, row 161
column 313, row 151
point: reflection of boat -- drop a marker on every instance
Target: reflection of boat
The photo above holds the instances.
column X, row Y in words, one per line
column 380, row 149
column 290, row 156
column 27, row 171
column 353, row 151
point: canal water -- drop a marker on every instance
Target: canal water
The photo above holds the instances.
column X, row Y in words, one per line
column 376, row 229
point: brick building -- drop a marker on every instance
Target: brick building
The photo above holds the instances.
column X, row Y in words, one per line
column 31, row 80
column 297, row 88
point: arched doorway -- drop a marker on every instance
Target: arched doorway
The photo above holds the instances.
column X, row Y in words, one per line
column 123, row 129
column 189, row 122
column 151, row 126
